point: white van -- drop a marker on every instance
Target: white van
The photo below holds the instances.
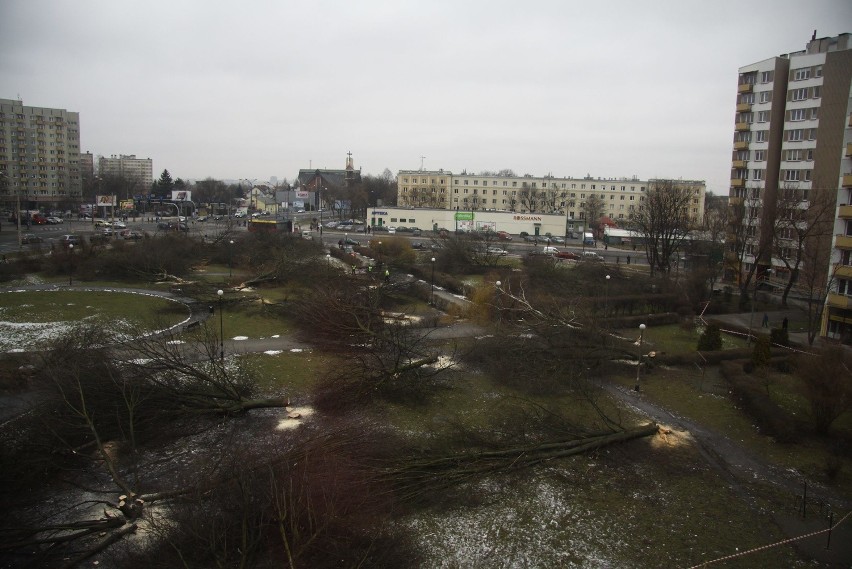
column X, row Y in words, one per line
column 550, row 250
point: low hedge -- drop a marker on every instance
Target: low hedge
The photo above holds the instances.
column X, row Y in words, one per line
column 751, row 394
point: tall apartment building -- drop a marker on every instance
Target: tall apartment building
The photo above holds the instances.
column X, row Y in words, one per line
column 791, row 151
column 129, row 167
column 39, row 156
column 528, row 194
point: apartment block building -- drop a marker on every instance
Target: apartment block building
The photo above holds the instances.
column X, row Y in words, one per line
column 528, row 194
column 39, row 156
column 790, row 154
column 128, row 166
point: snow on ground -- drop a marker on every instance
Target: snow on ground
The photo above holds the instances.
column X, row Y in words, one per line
column 240, row 338
column 272, row 352
column 294, row 418
column 539, row 525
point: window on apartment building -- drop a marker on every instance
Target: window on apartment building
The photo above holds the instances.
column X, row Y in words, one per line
column 814, row 113
column 761, row 135
column 793, row 155
column 744, row 117
column 632, row 197
column 809, row 155
column 797, row 115
column 811, row 133
column 762, row 116
column 757, row 174
column 766, row 76
column 795, row 135
column 816, row 92
column 799, row 94
column 759, row 155
column 818, row 71
column 801, row 74
column 806, row 175
column 505, row 183
column 594, row 187
column 514, row 184
column 466, row 182
column 765, row 97
column 622, row 198
column 792, row 175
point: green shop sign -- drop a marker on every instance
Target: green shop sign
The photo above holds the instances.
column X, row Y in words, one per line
column 464, row 216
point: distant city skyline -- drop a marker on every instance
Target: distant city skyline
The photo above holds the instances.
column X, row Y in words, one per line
column 611, row 90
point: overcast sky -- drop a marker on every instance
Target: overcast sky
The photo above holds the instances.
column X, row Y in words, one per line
column 256, row 89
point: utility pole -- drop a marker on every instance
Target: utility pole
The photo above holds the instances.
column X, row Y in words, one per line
column 422, row 158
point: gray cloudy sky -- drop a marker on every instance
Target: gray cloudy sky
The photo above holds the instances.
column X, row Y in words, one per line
column 256, row 89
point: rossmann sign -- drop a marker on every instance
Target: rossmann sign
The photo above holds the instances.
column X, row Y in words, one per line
column 526, row 218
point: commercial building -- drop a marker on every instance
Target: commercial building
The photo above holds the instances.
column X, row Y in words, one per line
column 129, row 167
column 790, row 168
column 432, row 219
column 546, row 195
column 39, row 156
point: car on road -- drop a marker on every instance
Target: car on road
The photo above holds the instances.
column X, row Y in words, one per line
column 391, row 230
column 67, row 240
column 549, row 250
column 131, row 234
column 102, row 223
column 556, row 239
column 30, row 238
column 504, row 236
column 119, row 225
column 416, row 245
column 591, row 256
column 497, row 251
column 300, row 210
column 52, row 220
column 201, row 218
column 567, row 255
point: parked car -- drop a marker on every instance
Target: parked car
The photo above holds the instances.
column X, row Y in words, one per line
column 201, row 218
column 102, row 223
column 416, row 232
column 52, row 220
column 66, row 240
column 558, row 240
column 30, row 238
column 379, row 228
column 497, row 251
column 502, row 235
column 119, row 225
column 416, row 245
column 567, row 255
column 131, row 234
column 523, row 234
column 549, row 250
column 391, row 230
column 591, row 256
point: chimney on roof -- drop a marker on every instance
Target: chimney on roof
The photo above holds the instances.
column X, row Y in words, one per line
column 813, row 37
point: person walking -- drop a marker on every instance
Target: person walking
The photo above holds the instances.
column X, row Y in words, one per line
column 765, row 320
column 785, row 323
column 387, row 275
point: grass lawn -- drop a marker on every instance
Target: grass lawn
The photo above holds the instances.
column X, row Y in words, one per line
column 33, row 318
column 290, row 373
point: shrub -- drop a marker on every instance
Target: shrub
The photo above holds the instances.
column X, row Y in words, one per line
column 761, row 355
column 711, row 339
column 779, row 337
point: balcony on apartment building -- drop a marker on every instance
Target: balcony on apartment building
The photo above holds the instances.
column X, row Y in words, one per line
column 836, row 300
column 847, row 180
column 745, row 88
column 741, row 145
column 843, row 241
column 849, row 149
column 845, row 212
column 843, row 272
column 737, row 183
column 739, row 163
column 743, row 107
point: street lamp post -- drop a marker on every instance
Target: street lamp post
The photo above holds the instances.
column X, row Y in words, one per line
column 497, row 285
column 432, row 293
column 71, row 259
column 639, row 362
column 219, row 293
column 231, row 259
column 606, row 296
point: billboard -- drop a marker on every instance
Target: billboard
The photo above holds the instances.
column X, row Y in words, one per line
column 302, row 195
column 181, row 196
column 102, row 201
column 126, row 204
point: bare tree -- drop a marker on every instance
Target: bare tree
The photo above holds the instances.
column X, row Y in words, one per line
column 594, row 210
column 663, row 221
column 527, row 199
column 802, row 216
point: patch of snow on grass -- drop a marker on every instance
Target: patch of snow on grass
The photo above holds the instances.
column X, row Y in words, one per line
column 272, row 352
column 175, row 342
column 240, row 338
column 296, row 350
column 539, row 527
